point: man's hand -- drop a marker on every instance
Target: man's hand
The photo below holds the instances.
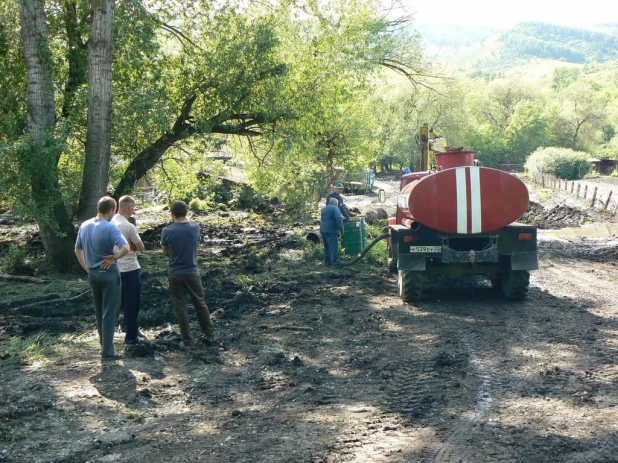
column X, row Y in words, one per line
column 108, row 261
column 81, row 258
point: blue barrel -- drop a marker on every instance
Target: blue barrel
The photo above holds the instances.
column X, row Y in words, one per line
column 355, row 236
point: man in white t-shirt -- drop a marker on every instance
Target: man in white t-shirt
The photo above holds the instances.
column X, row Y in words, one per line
column 129, row 269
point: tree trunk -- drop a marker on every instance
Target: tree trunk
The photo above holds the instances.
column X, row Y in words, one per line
column 98, row 140
column 77, row 58
column 184, row 128
column 149, row 157
column 38, row 159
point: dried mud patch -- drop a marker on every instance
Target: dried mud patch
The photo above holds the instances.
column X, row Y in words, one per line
column 561, row 216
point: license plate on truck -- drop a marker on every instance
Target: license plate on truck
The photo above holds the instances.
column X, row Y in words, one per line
column 425, row 248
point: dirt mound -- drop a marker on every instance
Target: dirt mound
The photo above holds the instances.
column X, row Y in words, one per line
column 558, row 216
column 590, row 249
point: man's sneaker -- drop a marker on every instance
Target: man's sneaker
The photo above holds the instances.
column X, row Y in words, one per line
column 207, row 340
column 114, row 356
column 186, row 344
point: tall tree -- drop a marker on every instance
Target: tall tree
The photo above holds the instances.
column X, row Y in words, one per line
column 39, row 150
column 98, row 139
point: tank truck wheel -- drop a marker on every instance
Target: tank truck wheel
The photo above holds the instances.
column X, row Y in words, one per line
column 392, row 260
column 410, row 285
column 515, row 284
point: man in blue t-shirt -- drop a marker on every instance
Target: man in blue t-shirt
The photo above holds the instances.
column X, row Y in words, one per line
column 331, row 226
column 94, row 248
column 179, row 241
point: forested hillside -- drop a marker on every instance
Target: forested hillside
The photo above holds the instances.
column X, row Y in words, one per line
column 541, row 40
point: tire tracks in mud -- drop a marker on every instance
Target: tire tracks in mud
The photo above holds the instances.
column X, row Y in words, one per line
column 474, row 437
column 458, row 392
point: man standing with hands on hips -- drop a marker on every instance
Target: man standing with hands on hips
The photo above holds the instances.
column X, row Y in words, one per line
column 95, row 251
column 129, row 269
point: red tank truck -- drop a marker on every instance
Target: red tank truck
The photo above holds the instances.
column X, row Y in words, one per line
column 458, row 219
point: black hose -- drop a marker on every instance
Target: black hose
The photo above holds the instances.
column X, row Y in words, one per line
column 365, row 251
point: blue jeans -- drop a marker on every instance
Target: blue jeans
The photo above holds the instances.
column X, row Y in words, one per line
column 131, row 289
column 331, row 247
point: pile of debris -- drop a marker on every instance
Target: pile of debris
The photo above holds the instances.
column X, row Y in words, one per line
column 559, row 216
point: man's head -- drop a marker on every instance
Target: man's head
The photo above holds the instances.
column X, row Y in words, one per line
column 126, row 206
column 179, row 209
column 340, row 188
column 106, row 206
column 333, row 201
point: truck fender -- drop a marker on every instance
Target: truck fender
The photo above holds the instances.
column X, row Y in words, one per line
column 411, row 262
column 524, row 261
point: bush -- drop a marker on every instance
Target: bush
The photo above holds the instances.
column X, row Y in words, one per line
column 561, row 162
column 199, row 205
column 378, row 254
column 14, row 260
column 593, row 174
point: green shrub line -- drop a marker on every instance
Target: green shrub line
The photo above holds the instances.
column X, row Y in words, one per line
column 563, row 163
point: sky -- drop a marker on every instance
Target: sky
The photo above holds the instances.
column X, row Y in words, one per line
column 500, row 13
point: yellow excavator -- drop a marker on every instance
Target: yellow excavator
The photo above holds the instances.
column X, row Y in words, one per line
column 430, row 143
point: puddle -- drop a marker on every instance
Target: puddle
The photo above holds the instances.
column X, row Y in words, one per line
column 596, row 230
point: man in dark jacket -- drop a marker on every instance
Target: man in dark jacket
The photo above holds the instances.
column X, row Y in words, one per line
column 331, row 227
column 337, row 195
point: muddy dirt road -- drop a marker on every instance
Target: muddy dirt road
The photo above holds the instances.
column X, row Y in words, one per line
column 317, row 365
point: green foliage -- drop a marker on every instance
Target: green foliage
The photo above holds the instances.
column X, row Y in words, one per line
column 378, row 254
column 593, row 174
column 10, row 434
column 541, row 40
column 614, row 173
column 312, row 252
column 14, row 260
column 561, row 162
column 198, row 206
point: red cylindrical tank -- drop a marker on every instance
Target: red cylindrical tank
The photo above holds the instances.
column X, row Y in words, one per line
column 455, row 157
column 464, row 200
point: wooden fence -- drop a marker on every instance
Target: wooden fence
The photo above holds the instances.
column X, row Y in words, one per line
column 575, row 188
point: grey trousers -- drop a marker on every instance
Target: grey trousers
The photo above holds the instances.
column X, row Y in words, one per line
column 180, row 286
column 105, row 286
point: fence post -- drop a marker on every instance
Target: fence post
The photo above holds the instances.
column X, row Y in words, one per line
column 609, row 196
column 578, row 187
column 572, row 186
column 585, row 191
column 566, row 185
column 594, row 196
column 543, row 180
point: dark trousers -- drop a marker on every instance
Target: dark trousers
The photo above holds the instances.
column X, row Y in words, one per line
column 131, row 289
column 180, row 287
column 105, row 286
column 331, row 247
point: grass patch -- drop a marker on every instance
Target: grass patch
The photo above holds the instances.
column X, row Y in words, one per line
column 40, row 346
column 135, row 415
column 11, row 435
